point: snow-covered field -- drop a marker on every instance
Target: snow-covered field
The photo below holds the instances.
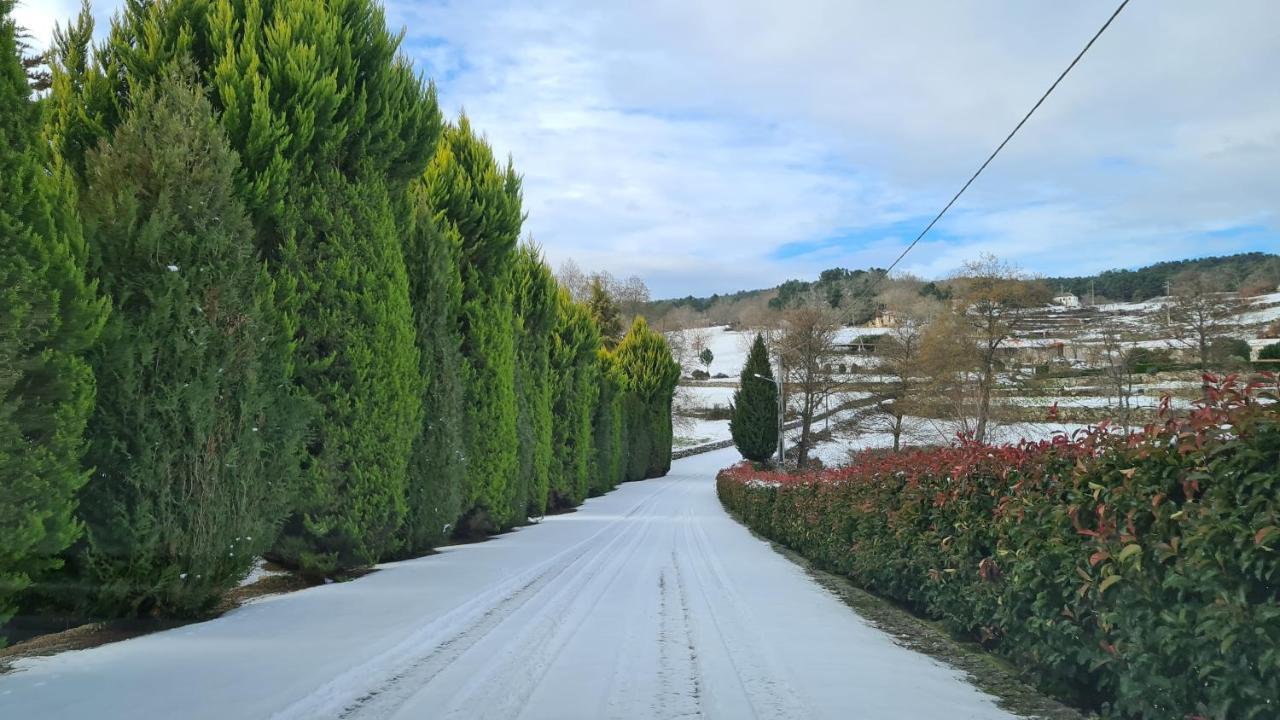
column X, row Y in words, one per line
column 729, row 348
column 927, row 431
column 649, row 602
column 690, row 432
column 709, row 396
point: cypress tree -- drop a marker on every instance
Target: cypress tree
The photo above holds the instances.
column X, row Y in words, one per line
column 468, row 189
column 605, row 311
column 609, row 426
column 576, row 385
column 635, row 419
column 651, row 374
column 436, row 463
column 535, row 316
column 197, row 432
column 754, row 424
column 49, row 316
column 359, row 358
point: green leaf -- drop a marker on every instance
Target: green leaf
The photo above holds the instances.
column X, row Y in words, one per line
column 1108, row 582
column 1130, row 550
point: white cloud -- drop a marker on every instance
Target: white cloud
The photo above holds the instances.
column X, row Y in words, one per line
column 689, row 141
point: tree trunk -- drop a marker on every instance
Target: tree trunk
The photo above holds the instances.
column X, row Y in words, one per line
column 984, row 403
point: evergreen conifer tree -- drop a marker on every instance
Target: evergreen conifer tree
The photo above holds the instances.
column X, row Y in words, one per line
column 359, row 359
column 467, row 188
column 609, row 426
column 605, row 311
column 535, row 314
column 651, row 375
column 754, row 425
column 436, row 464
column 576, row 385
column 49, row 316
column 197, row 433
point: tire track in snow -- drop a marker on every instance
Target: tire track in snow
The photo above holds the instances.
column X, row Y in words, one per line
column 401, row 671
column 504, row 687
column 763, row 682
column 680, row 680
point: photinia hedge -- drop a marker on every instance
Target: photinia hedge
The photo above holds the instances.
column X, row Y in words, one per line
column 1135, row 574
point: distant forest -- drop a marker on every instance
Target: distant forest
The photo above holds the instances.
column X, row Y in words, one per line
column 1250, row 273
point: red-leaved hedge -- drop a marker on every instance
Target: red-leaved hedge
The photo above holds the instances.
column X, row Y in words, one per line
column 1138, row 574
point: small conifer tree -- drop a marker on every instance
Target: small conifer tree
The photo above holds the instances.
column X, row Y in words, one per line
column 754, row 424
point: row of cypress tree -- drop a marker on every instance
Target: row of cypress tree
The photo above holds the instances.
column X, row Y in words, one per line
column 259, row 298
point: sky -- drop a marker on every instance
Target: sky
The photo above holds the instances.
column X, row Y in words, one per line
column 717, row 145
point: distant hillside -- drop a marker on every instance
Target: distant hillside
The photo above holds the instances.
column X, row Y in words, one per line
column 1251, row 272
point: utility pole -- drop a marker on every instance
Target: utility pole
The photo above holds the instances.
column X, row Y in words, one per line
column 782, row 413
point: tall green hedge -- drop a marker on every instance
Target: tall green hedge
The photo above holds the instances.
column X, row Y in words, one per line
column 197, row 433
column 371, row 256
column 330, row 125
column 49, row 316
column 1136, row 575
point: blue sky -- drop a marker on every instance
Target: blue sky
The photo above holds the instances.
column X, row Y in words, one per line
column 715, row 145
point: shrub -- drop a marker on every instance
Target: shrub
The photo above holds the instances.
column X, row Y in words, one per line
column 1226, row 351
column 1148, row 360
column 1136, row 574
column 1270, row 352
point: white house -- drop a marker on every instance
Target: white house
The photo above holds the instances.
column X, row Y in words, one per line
column 1066, row 300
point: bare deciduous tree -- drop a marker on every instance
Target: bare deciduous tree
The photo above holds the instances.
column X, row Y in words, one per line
column 809, row 351
column 900, row 360
column 1114, row 350
column 992, row 298
column 1197, row 314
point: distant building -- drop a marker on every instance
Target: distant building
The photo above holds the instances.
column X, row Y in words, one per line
column 884, row 319
column 1066, row 300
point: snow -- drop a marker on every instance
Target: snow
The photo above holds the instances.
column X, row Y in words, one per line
column 647, row 602
column 729, row 348
column 1135, row 401
column 709, row 396
column 1265, row 315
column 696, row 431
column 259, row 571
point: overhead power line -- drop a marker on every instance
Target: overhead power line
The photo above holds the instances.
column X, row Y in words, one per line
column 1009, row 137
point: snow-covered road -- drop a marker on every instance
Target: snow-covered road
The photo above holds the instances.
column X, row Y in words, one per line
column 649, row 602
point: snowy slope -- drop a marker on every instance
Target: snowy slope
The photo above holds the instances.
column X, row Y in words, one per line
column 648, row 602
